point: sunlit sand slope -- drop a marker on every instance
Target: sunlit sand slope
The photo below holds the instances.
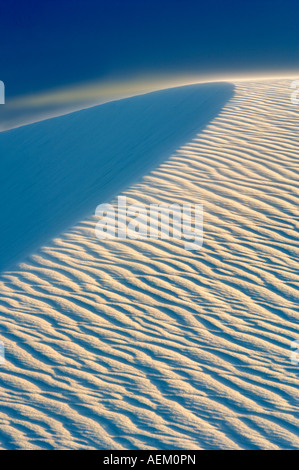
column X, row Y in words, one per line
column 144, row 345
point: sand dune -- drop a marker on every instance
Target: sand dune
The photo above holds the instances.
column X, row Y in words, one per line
column 123, row 344
column 56, row 171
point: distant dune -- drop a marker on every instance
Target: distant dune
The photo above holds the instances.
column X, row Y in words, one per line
column 126, row 344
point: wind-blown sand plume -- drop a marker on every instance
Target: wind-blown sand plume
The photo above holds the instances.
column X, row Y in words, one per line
column 125, row 344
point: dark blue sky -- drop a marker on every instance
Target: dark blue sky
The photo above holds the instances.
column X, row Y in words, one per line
column 50, row 43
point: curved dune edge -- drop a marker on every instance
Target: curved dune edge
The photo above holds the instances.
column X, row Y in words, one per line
column 140, row 344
